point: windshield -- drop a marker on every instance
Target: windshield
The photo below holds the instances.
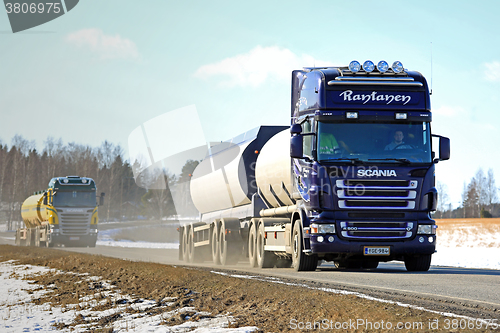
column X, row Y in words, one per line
column 75, row 199
column 374, row 142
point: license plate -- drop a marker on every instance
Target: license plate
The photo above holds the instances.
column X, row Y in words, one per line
column 74, row 238
column 377, row 250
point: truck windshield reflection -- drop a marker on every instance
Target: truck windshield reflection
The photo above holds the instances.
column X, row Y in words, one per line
column 75, row 199
column 379, row 142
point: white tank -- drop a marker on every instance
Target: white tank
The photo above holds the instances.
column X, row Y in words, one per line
column 226, row 177
column 273, row 172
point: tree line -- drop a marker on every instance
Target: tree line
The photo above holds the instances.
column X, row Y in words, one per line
column 24, row 170
column 479, row 198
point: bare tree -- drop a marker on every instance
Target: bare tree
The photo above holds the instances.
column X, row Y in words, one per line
column 443, row 199
column 491, row 189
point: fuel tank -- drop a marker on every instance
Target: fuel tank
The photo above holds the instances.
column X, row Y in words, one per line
column 33, row 211
column 226, row 178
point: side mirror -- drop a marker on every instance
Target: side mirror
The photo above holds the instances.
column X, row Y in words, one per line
column 295, row 129
column 297, row 146
column 101, row 199
column 444, row 148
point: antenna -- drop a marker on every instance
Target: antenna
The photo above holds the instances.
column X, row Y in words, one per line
column 431, row 68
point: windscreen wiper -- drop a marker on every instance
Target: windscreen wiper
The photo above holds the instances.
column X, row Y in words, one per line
column 402, row 160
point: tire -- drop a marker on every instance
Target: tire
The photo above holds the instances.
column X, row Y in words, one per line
column 229, row 245
column 214, row 243
column 301, row 261
column 420, row 263
column 28, row 237
column 252, row 245
column 193, row 253
column 265, row 259
column 184, row 244
column 37, row 237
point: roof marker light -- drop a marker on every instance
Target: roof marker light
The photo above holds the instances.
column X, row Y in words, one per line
column 368, row 66
column 354, row 66
column 351, row 115
column 382, row 66
column 401, row 115
column 397, row 67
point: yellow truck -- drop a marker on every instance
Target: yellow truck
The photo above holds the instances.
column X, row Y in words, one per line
column 64, row 214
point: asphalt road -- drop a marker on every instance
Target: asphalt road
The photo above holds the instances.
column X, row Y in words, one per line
column 474, row 291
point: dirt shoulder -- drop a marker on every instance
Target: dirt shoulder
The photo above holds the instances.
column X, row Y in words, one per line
column 270, row 306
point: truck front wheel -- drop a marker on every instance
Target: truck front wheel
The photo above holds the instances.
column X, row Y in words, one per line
column 420, row 263
column 301, row 261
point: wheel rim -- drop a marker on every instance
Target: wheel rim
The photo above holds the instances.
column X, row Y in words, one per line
column 295, row 246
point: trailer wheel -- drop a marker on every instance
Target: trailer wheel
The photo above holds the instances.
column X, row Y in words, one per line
column 265, row 259
column 28, row 237
column 252, row 245
column 193, row 253
column 229, row 245
column 301, row 261
column 184, row 245
column 37, row 237
column 420, row 263
column 214, row 242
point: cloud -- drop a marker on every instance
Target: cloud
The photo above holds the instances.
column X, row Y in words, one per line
column 106, row 46
column 492, row 71
column 257, row 66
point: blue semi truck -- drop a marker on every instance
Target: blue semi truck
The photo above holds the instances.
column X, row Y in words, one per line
column 351, row 180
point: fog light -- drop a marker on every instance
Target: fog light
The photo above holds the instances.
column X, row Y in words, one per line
column 431, row 239
column 320, row 239
column 382, row 66
column 354, row 66
column 331, row 239
column 397, row 67
column 368, row 66
column 421, row 239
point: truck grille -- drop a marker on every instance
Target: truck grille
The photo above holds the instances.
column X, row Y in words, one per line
column 376, row 194
column 376, row 230
column 74, row 223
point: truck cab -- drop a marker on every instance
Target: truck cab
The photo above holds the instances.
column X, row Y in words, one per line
column 363, row 164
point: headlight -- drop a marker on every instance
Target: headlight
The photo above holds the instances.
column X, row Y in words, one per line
column 322, row 228
column 426, row 229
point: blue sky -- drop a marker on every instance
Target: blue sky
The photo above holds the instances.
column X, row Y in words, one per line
column 106, row 67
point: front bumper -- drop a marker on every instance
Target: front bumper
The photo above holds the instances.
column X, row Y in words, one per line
column 349, row 248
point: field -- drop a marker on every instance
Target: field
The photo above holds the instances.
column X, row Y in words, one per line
column 469, row 232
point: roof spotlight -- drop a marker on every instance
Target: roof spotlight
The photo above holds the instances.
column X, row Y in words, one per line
column 397, row 67
column 368, row 66
column 354, row 66
column 382, row 66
